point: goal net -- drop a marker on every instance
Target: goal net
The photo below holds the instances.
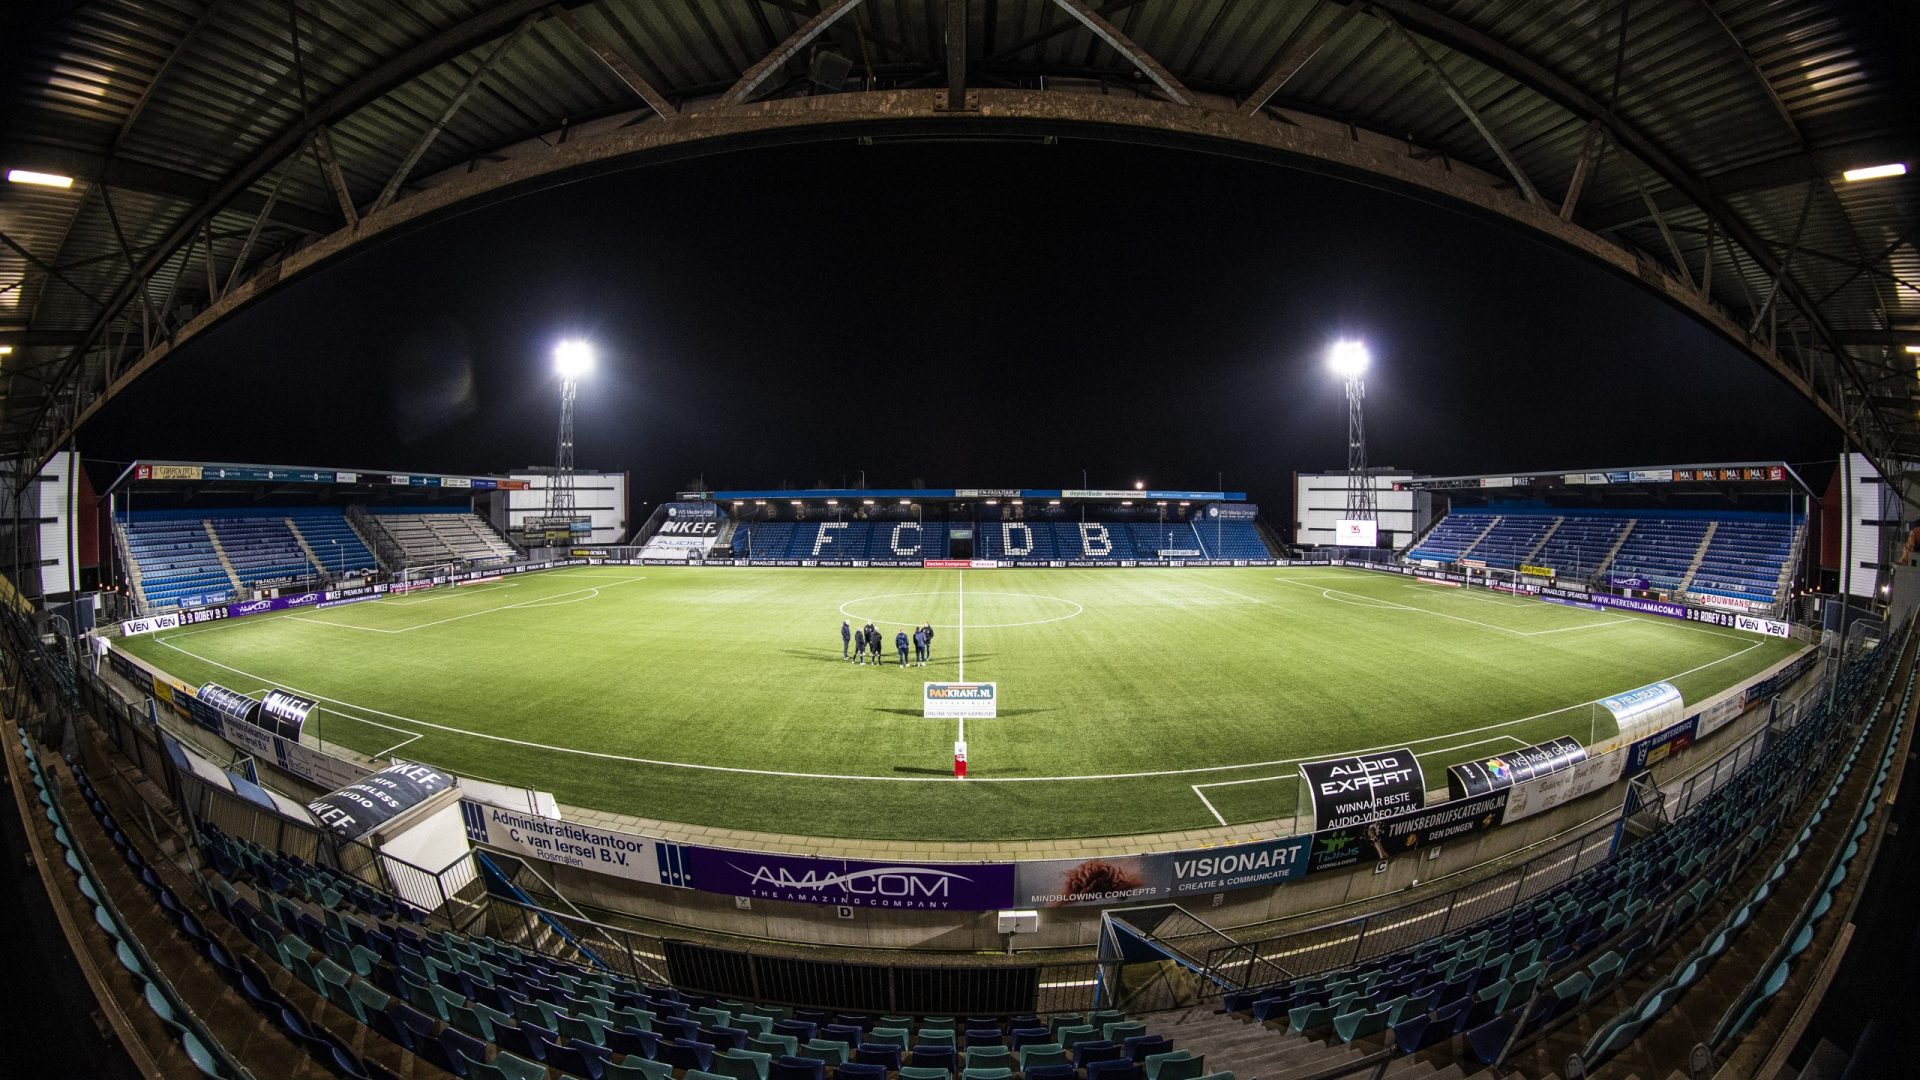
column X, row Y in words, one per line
column 424, row 576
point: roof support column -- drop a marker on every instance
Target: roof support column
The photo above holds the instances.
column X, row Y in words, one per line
column 956, row 55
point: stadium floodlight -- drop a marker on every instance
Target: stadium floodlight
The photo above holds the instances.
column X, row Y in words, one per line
column 573, row 358
column 40, row 179
column 1913, row 350
column 6, row 350
column 906, row 502
column 1139, row 485
column 866, row 502
column 1348, row 358
column 1874, row 172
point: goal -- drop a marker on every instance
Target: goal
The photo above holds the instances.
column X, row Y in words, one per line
column 424, row 576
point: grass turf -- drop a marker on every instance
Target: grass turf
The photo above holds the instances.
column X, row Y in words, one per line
column 605, row 685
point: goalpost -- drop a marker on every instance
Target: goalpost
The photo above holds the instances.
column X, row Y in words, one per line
column 421, row 577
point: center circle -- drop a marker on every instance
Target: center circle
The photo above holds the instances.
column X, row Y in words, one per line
column 847, row 609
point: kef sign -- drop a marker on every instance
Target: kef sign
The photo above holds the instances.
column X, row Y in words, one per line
column 1365, row 787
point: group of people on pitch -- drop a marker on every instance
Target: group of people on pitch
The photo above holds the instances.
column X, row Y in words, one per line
column 857, row 645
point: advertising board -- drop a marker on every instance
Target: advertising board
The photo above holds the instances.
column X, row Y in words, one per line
column 851, row 883
column 371, row 801
column 959, row 700
column 1356, row 532
column 1363, row 787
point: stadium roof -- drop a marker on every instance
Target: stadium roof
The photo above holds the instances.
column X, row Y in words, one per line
column 219, row 148
column 897, row 495
column 1730, row 475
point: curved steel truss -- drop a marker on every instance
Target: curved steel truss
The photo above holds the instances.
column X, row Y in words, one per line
column 223, row 148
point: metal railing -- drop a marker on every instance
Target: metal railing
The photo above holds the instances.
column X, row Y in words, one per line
column 1348, row 941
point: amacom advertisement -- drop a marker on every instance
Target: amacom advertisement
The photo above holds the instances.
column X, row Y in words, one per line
column 851, row 883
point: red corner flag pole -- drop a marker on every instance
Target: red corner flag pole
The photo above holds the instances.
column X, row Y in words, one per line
column 960, row 760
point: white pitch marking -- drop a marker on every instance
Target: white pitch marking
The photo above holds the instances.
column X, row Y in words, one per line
column 1374, row 601
column 963, row 626
column 1208, row 803
column 536, row 602
column 914, row 779
column 1195, row 580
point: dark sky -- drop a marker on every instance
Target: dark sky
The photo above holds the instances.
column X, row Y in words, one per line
column 964, row 315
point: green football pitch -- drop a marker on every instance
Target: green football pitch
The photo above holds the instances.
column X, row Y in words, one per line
column 1131, row 701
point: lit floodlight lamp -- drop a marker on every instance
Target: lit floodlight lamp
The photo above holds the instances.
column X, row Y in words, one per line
column 28, row 176
column 1874, row 172
column 1348, row 359
column 573, row 358
column 1139, row 485
column 1913, row 350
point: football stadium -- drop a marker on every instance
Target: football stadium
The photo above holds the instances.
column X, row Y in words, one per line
column 362, row 722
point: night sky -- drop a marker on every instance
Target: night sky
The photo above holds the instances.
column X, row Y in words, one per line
column 962, row 315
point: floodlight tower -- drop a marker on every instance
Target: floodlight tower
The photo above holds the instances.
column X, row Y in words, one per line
column 571, row 359
column 1349, row 359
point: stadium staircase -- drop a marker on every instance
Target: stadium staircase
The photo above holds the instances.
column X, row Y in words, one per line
column 1491, row 525
column 1235, row 1044
column 385, row 552
column 220, row 552
column 1699, row 554
column 300, row 539
column 1606, row 563
column 1545, row 538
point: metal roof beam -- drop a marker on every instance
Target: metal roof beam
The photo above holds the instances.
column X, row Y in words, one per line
column 622, row 70
column 1473, row 115
column 141, row 178
column 1471, row 41
column 1047, row 33
column 751, row 80
column 474, row 82
column 1777, row 172
column 370, row 86
column 1131, row 53
column 1295, row 59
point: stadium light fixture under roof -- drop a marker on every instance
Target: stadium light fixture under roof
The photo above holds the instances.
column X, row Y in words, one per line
column 1914, row 349
column 1139, row 485
column 41, row 179
column 1348, row 358
column 1874, row 172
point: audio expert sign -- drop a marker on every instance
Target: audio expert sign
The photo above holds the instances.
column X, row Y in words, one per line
column 1362, row 788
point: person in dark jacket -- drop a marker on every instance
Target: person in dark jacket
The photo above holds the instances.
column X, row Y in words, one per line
column 929, row 629
column 900, row 646
column 920, row 646
column 846, row 636
column 873, row 642
column 860, row 647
